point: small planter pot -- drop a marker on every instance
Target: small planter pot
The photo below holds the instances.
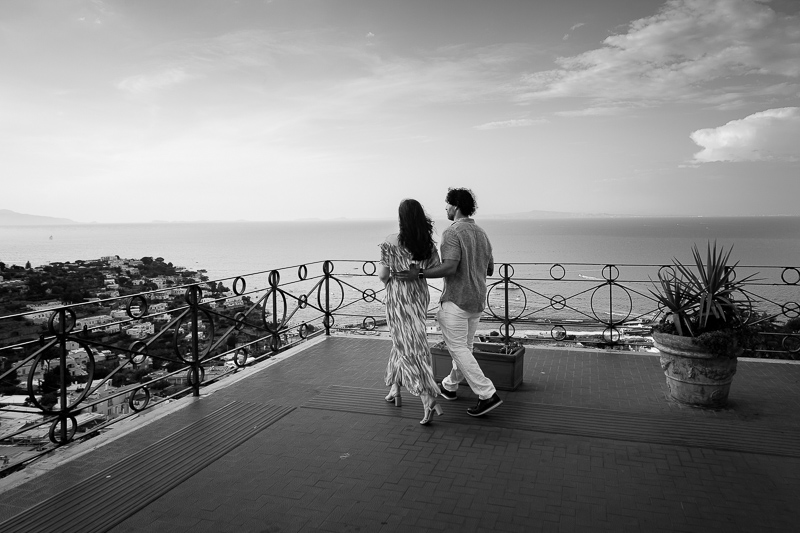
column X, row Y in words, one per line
column 505, row 370
column 694, row 376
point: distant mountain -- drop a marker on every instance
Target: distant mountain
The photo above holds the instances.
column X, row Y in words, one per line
column 12, row 218
column 548, row 214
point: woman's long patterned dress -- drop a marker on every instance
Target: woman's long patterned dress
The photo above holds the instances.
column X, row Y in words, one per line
column 406, row 310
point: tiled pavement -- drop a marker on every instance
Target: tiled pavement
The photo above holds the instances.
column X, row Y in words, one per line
column 368, row 466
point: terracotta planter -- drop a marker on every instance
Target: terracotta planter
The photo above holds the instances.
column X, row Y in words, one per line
column 694, row 376
column 505, row 370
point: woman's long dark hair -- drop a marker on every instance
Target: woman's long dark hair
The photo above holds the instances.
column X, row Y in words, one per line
column 416, row 230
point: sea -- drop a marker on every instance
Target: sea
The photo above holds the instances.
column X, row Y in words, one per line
column 233, row 248
column 230, row 249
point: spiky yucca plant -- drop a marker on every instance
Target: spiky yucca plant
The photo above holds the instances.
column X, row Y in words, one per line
column 701, row 300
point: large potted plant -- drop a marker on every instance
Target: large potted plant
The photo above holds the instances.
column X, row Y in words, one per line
column 502, row 362
column 704, row 328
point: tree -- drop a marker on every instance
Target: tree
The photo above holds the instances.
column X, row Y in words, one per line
column 232, row 340
column 28, row 265
column 10, row 383
column 49, row 400
column 73, row 295
column 52, row 380
column 159, row 385
column 119, row 379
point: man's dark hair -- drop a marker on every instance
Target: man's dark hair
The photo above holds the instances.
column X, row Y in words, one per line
column 463, row 199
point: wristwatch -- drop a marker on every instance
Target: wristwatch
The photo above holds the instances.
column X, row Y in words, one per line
column 421, row 274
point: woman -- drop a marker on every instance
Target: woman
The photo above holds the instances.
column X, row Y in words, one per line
column 407, row 307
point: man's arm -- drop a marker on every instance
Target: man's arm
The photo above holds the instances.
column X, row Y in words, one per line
column 447, row 268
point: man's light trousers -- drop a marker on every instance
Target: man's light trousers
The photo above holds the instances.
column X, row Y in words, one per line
column 458, row 328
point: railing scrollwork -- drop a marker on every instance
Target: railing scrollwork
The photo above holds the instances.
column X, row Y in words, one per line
column 170, row 342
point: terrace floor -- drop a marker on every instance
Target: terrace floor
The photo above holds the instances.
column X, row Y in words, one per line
column 305, row 442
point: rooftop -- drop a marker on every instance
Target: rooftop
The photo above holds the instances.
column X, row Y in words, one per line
column 304, row 442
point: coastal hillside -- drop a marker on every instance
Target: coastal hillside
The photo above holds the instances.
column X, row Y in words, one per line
column 12, row 218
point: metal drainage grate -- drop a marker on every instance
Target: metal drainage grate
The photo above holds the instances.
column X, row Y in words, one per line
column 128, row 486
column 730, row 435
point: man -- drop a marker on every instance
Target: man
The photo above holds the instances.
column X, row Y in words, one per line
column 466, row 261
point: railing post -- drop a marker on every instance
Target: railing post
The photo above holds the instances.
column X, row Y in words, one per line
column 504, row 272
column 274, row 282
column 612, row 325
column 611, row 274
column 327, row 268
column 63, row 372
column 193, row 300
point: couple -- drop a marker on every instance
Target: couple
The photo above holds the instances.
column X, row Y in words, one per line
column 407, row 259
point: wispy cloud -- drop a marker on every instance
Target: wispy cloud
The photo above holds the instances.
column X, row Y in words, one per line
column 515, row 123
column 144, row 83
column 573, row 28
column 95, row 11
column 691, row 49
column 593, row 111
column 770, row 135
column 385, row 83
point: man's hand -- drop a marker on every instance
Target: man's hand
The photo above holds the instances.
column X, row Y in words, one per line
column 407, row 275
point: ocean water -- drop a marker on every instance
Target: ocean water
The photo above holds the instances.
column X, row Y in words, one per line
column 227, row 249
column 583, row 246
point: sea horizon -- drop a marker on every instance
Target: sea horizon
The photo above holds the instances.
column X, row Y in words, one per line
column 583, row 247
column 8, row 216
column 229, row 248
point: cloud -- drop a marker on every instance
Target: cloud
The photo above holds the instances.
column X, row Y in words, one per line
column 592, row 111
column 276, row 53
column 573, row 28
column 689, row 50
column 149, row 82
column 298, row 65
column 516, row 123
column 770, row 135
column 444, row 75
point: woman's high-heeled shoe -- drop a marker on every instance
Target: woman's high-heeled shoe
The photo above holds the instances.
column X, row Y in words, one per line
column 429, row 410
column 394, row 396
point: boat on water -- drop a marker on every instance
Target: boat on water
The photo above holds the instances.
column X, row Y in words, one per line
column 636, row 327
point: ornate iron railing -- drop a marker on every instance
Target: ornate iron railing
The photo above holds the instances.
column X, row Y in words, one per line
column 166, row 343
column 614, row 306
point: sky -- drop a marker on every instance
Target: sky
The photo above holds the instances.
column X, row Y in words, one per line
column 120, row 111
